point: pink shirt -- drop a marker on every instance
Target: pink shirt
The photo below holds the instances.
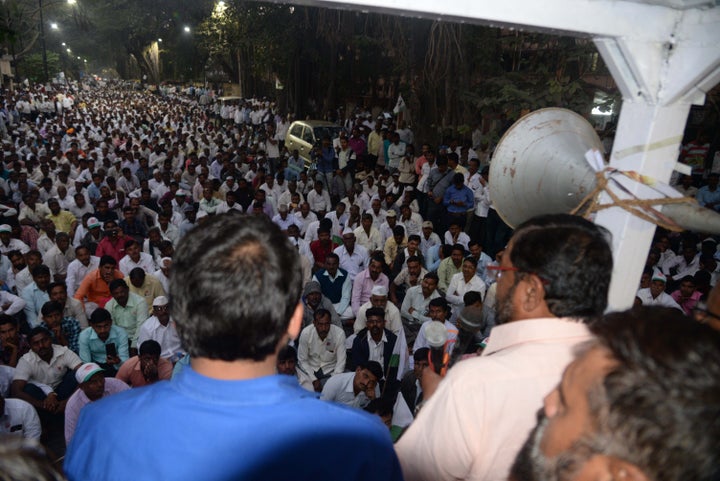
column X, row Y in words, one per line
column 78, row 400
column 362, row 288
column 476, row 422
column 130, row 371
column 687, row 304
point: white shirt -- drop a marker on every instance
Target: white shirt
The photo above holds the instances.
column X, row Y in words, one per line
column 286, row 222
column 223, row 207
column 458, row 287
column 395, row 153
column 463, row 239
column 355, row 262
column 421, row 340
column 376, row 349
column 305, row 221
column 413, row 225
column 33, row 369
column 315, row 354
column 145, row 262
column 664, row 299
column 166, row 336
column 414, row 298
column 426, row 244
column 319, row 201
column 371, row 242
column 20, row 419
column 339, row 388
column 17, row 303
column 14, row 244
column 392, row 318
column 76, row 272
column 57, row 261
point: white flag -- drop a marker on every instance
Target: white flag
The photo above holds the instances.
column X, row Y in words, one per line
column 399, row 106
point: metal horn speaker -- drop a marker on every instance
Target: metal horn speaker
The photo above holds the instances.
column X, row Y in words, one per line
column 539, row 167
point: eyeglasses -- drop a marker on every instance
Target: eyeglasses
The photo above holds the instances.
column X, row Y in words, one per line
column 160, row 308
column 495, row 273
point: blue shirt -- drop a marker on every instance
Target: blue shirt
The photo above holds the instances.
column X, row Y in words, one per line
column 705, row 196
column 92, row 348
column 34, row 299
column 194, row 427
column 464, row 194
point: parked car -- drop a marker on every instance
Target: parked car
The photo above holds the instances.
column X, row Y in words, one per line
column 305, row 135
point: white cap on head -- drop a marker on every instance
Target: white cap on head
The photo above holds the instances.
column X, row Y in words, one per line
column 379, row 291
column 160, row 301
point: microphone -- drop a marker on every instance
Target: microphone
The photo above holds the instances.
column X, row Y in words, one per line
column 469, row 322
column 437, row 337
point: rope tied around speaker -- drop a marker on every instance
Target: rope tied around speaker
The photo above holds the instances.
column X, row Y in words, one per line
column 642, row 208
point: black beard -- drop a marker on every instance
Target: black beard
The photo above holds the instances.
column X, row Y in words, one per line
column 504, row 309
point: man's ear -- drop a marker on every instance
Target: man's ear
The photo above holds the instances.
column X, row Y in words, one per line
column 295, row 325
column 532, row 293
column 609, row 468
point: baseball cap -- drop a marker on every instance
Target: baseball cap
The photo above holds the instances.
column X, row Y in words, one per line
column 86, row 371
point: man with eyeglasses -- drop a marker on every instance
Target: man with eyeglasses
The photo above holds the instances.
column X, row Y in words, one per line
column 552, row 279
column 161, row 328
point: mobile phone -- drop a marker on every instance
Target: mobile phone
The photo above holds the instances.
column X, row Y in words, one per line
column 110, row 349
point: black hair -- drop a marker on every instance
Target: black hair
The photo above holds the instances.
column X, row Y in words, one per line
column 115, row 283
column 99, row 315
column 472, row 297
column 37, row 330
column 107, row 260
column 287, row 353
column 375, row 311
column 374, row 367
column 150, row 347
column 6, row 319
column 50, row 307
column 440, row 302
column 421, row 354
column 40, row 270
column 572, row 257
column 235, row 286
column 137, row 273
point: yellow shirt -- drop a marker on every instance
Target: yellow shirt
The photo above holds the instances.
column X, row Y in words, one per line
column 63, row 221
column 150, row 289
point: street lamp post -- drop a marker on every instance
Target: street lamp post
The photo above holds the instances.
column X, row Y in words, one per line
column 42, row 41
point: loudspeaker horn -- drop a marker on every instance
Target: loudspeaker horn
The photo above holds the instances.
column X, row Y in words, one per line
column 539, row 167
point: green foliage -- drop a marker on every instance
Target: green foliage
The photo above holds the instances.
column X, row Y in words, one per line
column 33, row 66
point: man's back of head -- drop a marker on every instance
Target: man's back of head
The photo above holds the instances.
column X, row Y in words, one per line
column 234, row 287
column 573, row 259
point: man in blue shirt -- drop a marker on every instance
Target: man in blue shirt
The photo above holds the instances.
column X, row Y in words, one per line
column 36, row 295
column 235, row 296
column 104, row 343
column 709, row 195
column 458, row 200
